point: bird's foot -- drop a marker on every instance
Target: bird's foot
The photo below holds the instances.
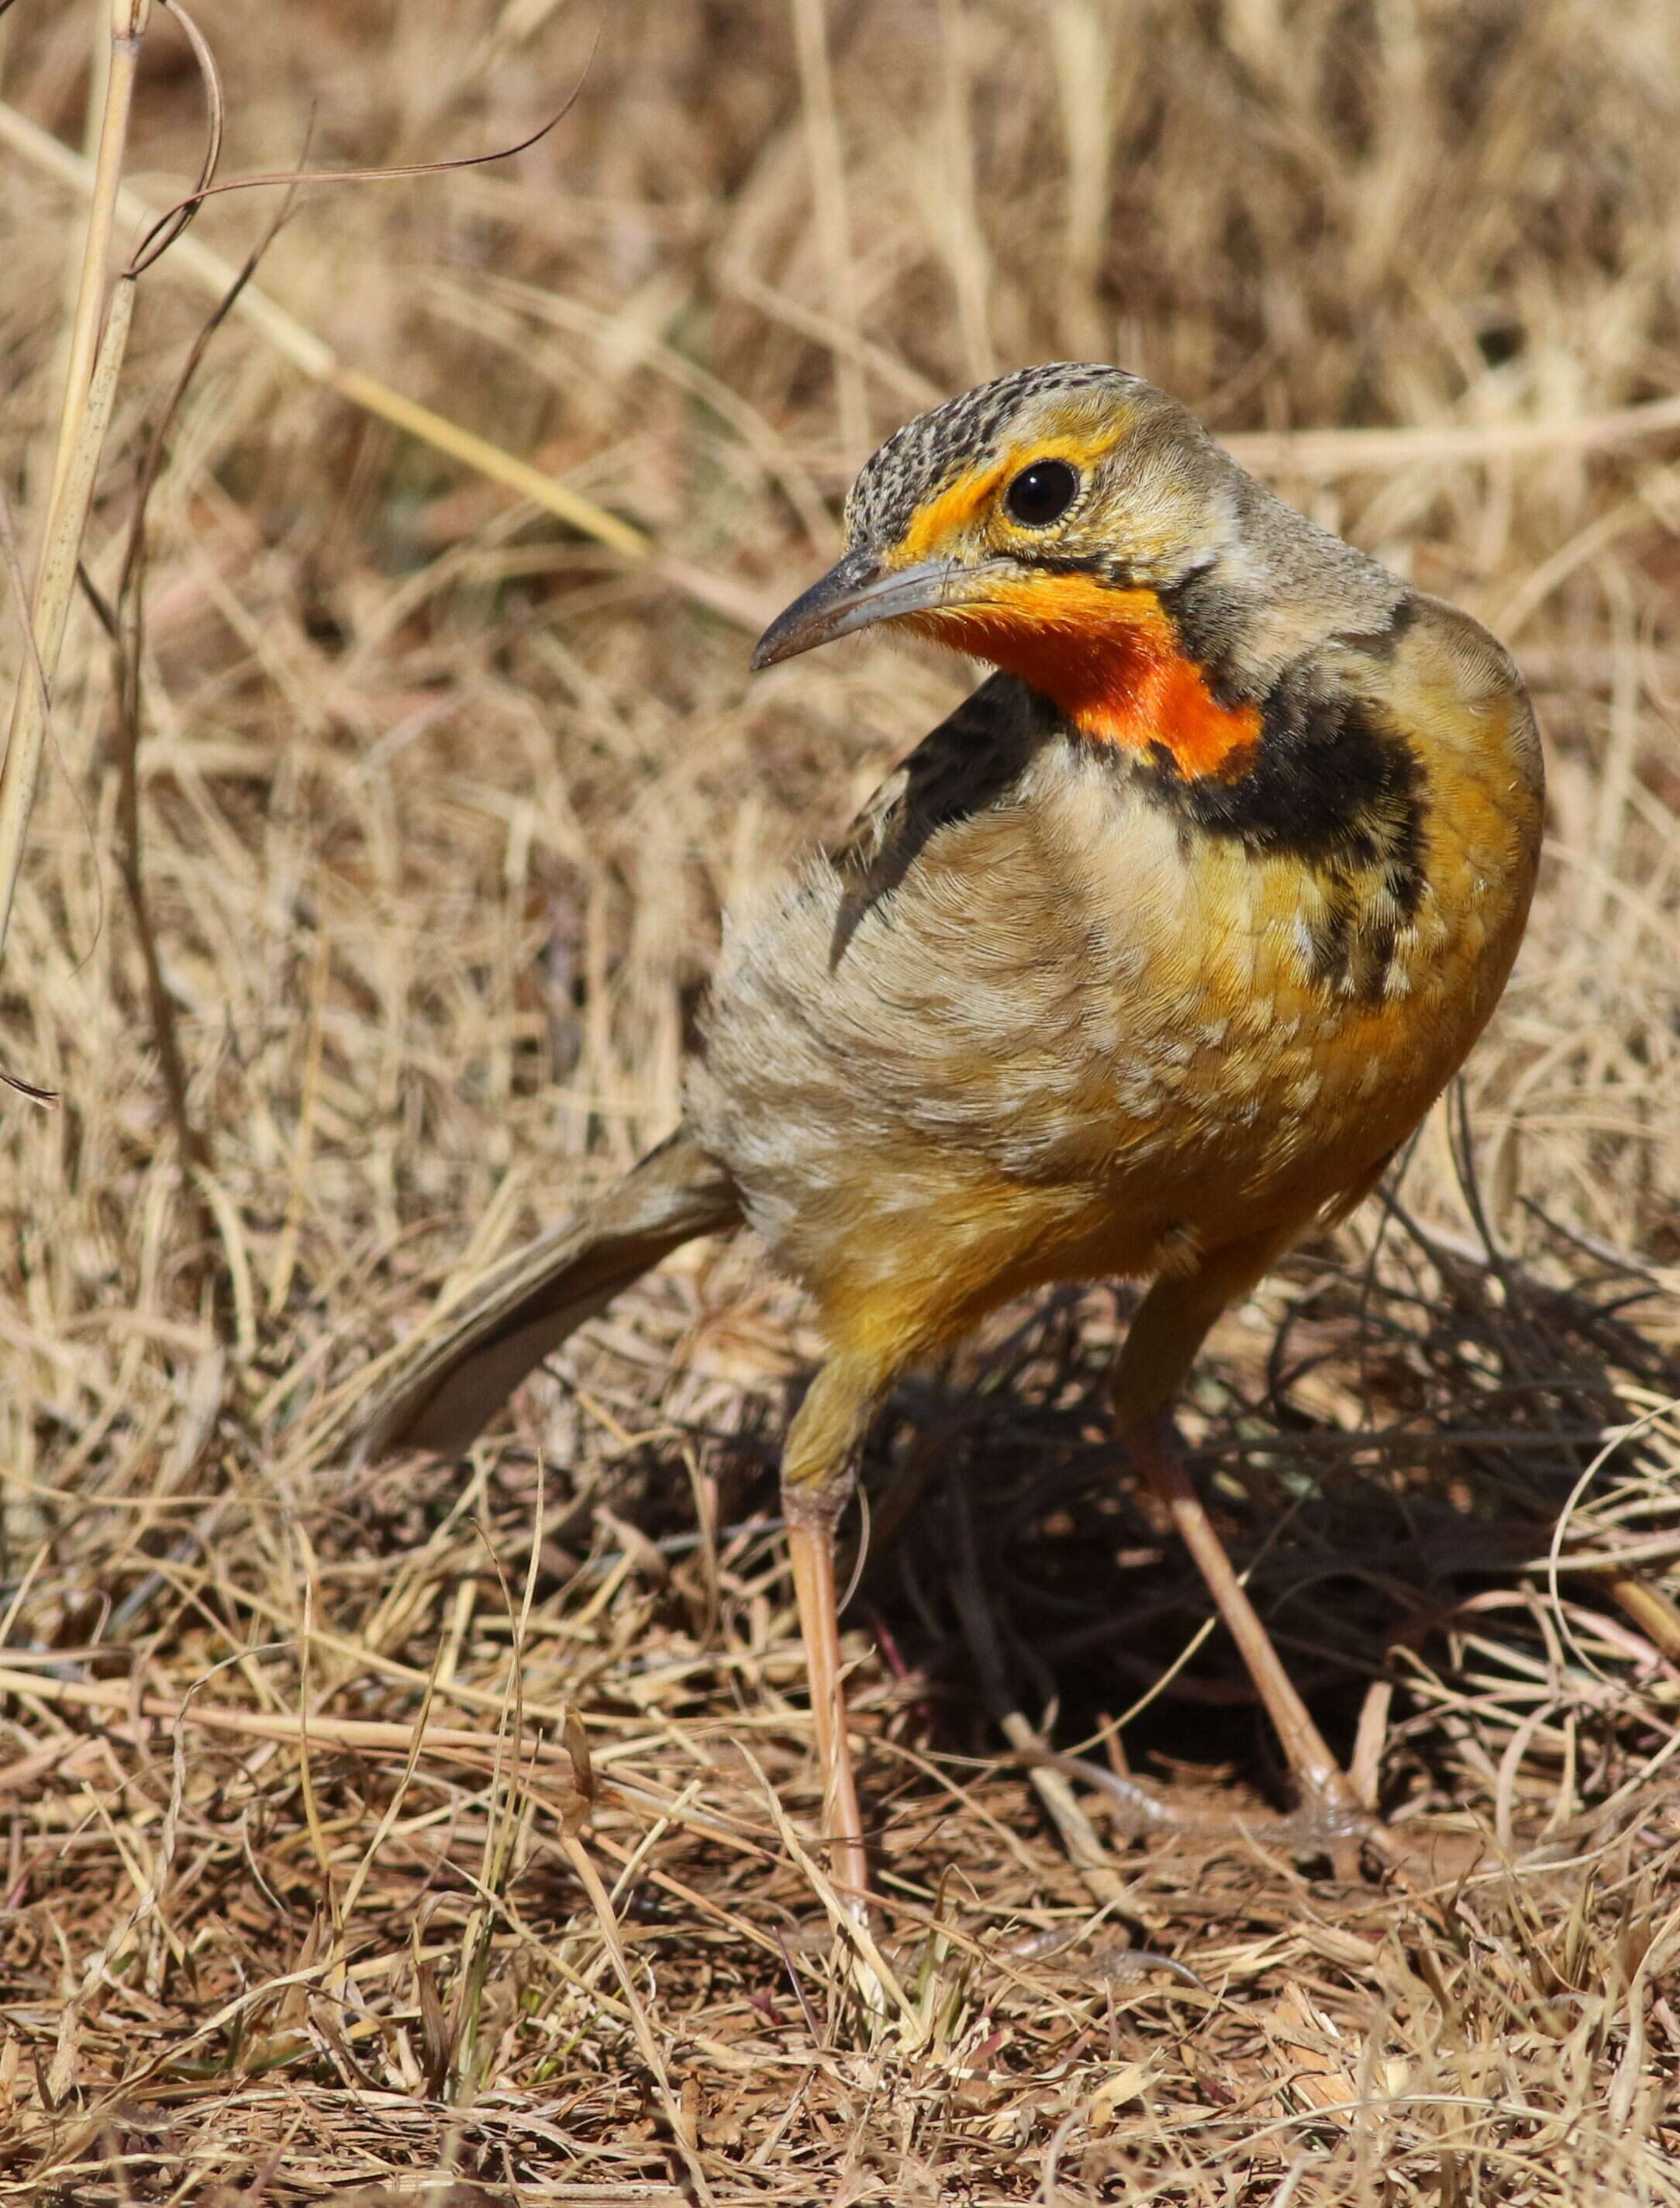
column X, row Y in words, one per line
column 1327, row 1822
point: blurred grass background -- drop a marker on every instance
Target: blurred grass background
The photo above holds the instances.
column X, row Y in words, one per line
column 441, row 801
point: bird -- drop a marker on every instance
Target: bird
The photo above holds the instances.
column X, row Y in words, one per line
column 1142, row 964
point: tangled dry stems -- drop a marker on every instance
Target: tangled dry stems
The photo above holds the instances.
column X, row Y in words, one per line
column 310, row 1893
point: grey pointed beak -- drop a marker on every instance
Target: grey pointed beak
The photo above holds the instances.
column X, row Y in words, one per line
column 856, row 593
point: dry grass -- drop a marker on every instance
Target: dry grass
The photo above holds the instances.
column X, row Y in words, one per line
column 308, row 1893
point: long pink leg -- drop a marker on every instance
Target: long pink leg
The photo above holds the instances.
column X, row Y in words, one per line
column 817, row 1477
column 1155, row 1448
column 810, row 1553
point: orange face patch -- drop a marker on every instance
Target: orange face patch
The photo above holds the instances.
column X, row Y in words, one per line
column 1110, row 660
column 945, row 517
column 936, row 525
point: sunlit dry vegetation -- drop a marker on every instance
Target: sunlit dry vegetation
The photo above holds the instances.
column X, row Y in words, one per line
column 310, row 1890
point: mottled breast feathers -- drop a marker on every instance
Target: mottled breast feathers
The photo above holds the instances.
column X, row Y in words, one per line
column 1331, row 783
column 1053, row 1008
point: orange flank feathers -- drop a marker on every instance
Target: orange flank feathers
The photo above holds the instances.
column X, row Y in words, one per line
column 1110, row 660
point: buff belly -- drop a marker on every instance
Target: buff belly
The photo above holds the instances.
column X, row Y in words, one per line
column 1072, row 1046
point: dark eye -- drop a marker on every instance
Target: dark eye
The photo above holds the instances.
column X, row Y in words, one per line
column 1042, row 493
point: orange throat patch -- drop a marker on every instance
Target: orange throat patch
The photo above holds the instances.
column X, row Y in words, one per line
column 1110, row 660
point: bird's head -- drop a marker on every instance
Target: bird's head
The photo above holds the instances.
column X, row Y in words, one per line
column 1060, row 523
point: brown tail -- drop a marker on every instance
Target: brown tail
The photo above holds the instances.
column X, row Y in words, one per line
column 438, row 1388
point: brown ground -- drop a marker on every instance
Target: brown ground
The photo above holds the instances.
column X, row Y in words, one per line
column 441, row 802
